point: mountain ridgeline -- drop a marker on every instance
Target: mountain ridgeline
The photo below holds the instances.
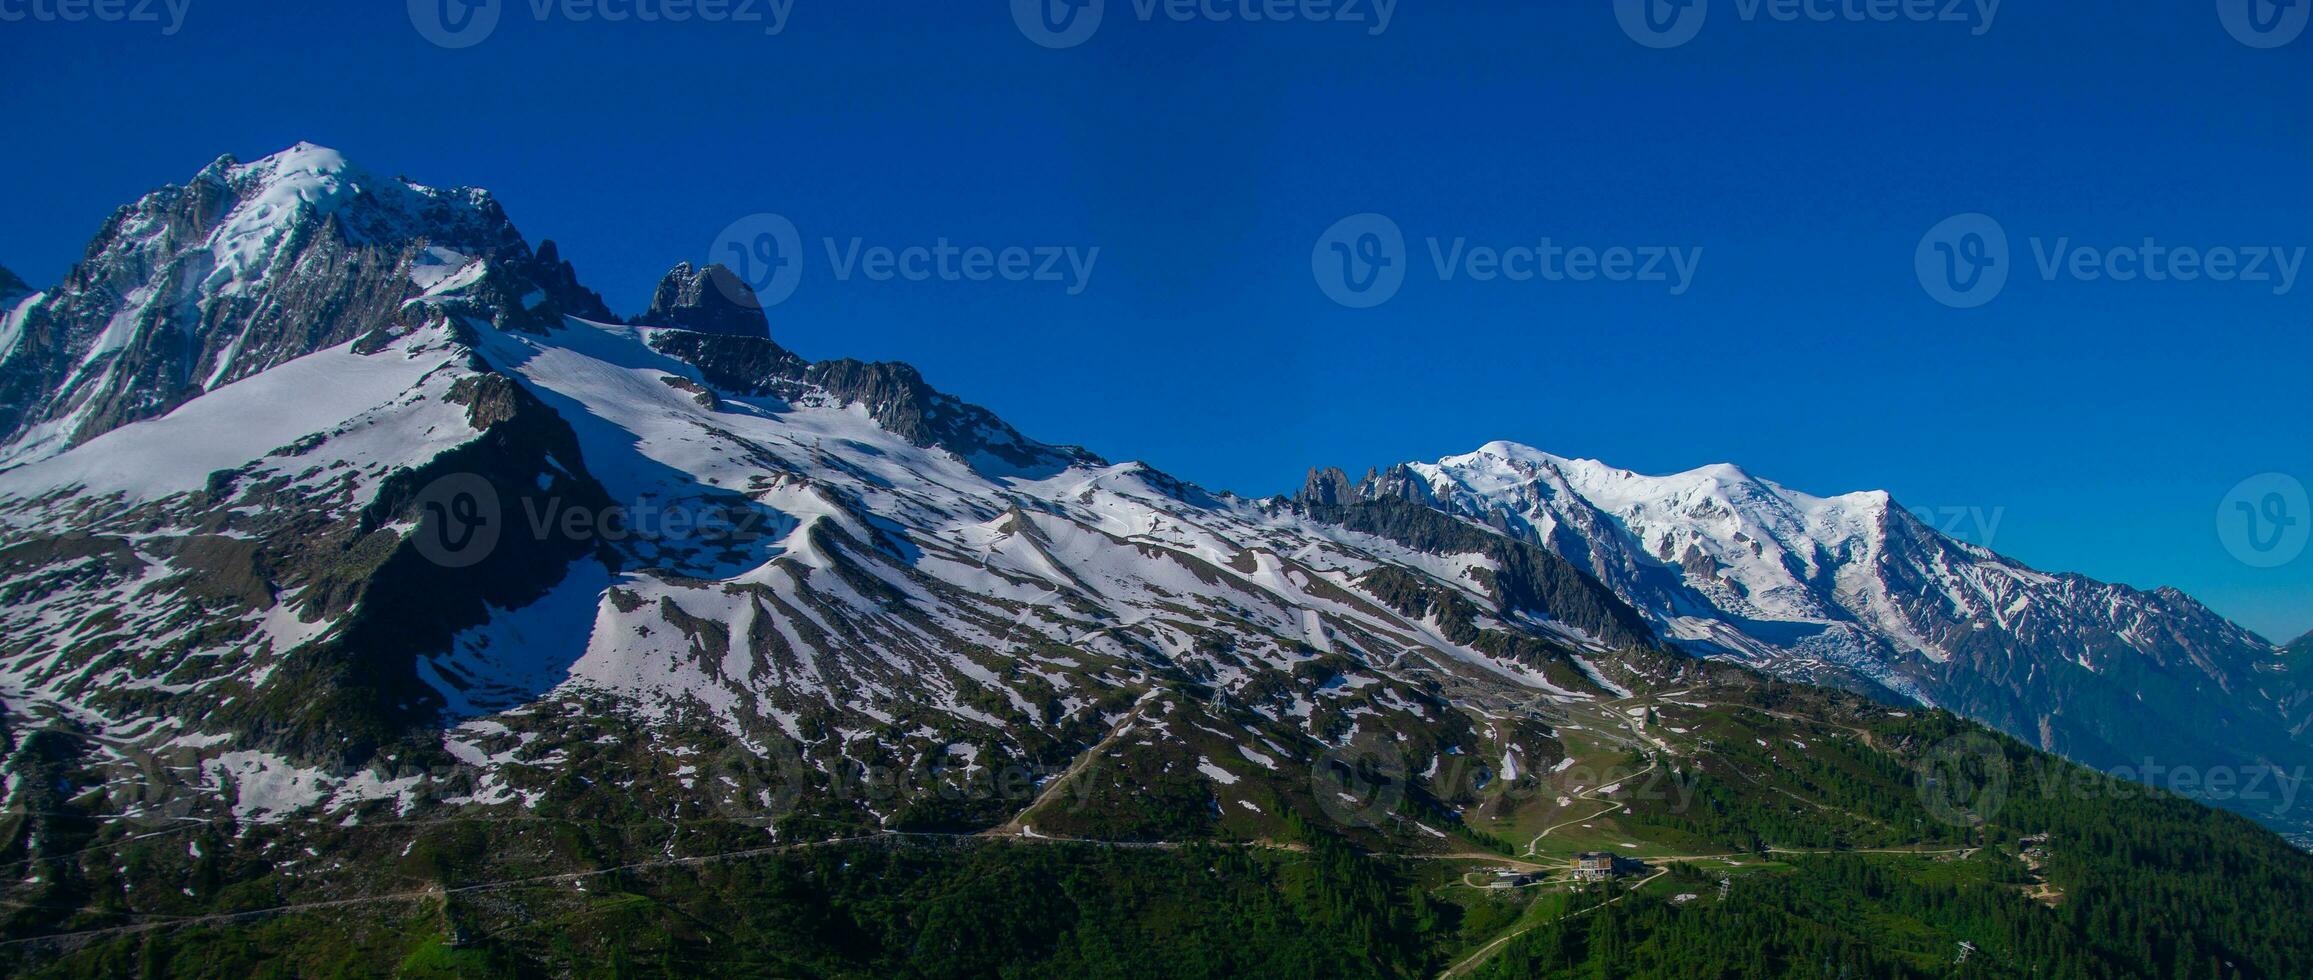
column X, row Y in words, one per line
column 243, row 268
column 1858, row 592
column 371, row 595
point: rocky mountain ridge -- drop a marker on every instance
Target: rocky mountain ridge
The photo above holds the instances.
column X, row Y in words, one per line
column 324, row 495
column 488, row 530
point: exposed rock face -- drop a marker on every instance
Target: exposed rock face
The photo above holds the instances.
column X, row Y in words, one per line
column 1328, row 487
column 901, row 401
column 242, row 268
column 710, row 300
column 1526, row 577
column 895, row 394
column 735, row 364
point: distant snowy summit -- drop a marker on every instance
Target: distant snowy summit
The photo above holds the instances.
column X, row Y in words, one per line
column 1855, row 590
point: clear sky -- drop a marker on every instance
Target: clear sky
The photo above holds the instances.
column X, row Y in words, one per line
column 2092, row 425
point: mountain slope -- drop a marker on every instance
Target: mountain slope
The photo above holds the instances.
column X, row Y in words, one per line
column 259, row 603
column 1855, row 591
column 788, row 566
column 388, row 586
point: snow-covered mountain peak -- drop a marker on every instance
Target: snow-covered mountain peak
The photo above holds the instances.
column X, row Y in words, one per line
column 1850, row 589
column 263, row 200
column 307, row 164
column 275, row 196
column 1503, row 464
column 1713, row 505
column 245, row 267
column 322, row 177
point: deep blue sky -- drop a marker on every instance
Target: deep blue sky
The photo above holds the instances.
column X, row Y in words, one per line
column 2102, row 422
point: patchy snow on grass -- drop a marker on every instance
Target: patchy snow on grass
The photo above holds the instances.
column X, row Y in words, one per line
column 265, row 787
column 1216, row 773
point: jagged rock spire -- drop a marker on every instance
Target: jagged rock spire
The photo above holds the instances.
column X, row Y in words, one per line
column 709, row 300
column 1328, row 487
